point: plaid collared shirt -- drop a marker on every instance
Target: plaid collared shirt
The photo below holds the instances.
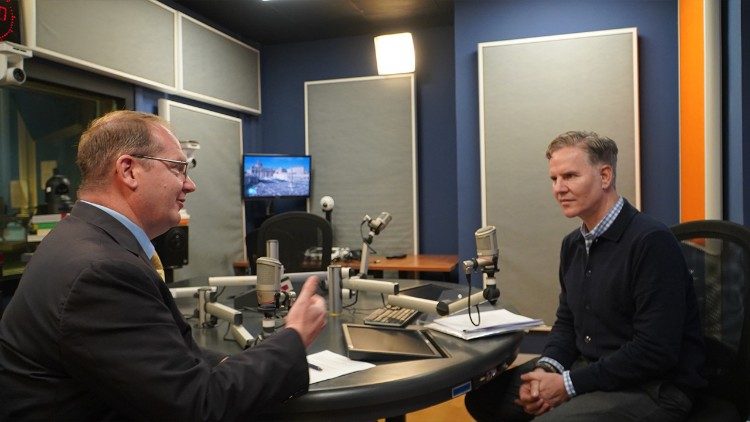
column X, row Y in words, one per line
column 603, row 225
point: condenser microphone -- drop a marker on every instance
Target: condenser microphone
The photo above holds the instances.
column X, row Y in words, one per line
column 486, row 239
column 487, row 250
column 269, row 279
column 379, row 223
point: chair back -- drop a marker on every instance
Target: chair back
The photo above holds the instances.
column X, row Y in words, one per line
column 305, row 240
column 718, row 257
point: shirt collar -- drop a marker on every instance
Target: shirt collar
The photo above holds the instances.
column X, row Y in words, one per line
column 605, row 223
column 138, row 232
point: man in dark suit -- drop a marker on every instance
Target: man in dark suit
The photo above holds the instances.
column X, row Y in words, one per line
column 93, row 333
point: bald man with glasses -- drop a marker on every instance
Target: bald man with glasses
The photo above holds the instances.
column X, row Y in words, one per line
column 92, row 332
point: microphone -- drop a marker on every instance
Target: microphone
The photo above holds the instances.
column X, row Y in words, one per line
column 376, row 225
column 268, row 280
column 379, row 223
column 487, row 252
column 486, row 261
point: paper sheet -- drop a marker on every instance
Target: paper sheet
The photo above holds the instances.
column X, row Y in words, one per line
column 493, row 322
column 333, row 365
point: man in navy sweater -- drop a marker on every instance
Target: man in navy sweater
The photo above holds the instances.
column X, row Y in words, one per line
column 626, row 344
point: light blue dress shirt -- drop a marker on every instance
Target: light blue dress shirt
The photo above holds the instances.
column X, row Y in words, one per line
column 138, row 232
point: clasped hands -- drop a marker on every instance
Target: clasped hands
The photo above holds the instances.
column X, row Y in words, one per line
column 541, row 391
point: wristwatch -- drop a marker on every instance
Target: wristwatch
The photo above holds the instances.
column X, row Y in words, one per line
column 547, row 367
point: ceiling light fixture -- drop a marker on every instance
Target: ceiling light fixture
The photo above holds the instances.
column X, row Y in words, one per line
column 395, row 53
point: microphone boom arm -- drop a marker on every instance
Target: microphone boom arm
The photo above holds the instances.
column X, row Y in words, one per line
column 442, row 308
column 486, row 262
column 208, row 310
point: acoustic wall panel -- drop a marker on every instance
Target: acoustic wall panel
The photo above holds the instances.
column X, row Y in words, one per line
column 530, row 91
column 362, row 138
column 217, row 66
column 148, row 43
column 134, row 37
column 217, row 214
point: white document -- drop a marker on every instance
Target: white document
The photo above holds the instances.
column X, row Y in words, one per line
column 333, row 365
column 492, row 322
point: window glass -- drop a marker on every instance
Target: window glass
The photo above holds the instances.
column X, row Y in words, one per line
column 40, row 124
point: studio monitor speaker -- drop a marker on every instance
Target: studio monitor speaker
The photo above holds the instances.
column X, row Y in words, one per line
column 172, row 247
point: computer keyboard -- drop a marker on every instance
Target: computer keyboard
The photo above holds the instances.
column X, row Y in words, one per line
column 391, row 316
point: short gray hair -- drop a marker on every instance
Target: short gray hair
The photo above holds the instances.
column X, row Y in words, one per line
column 599, row 149
column 108, row 137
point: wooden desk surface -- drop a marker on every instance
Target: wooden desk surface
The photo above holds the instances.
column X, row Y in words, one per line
column 435, row 263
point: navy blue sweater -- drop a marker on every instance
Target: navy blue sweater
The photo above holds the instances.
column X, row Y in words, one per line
column 628, row 307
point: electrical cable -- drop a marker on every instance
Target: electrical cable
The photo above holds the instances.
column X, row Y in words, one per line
column 468, row 305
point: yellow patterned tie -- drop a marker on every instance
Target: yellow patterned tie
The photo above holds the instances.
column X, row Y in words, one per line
column 156, row 262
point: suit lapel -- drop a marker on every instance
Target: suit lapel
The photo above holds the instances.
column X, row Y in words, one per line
column 111, row 227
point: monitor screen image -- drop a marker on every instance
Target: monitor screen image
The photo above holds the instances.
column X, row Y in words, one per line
column 275, row 176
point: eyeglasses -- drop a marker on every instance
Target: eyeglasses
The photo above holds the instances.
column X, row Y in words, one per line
column 181, row 166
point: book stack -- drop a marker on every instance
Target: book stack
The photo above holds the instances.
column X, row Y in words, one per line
column 492, row 322
column 41, row 225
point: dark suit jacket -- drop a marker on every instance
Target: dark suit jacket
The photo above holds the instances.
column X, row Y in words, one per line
column 92, row 333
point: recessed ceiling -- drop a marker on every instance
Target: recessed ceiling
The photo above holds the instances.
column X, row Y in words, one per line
column 285, row 21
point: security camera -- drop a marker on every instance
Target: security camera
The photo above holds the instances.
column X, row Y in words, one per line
column 11, row 63
column 189, row 148
column 326, row 203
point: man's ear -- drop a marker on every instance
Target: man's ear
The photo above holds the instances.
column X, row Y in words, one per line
column 125, row 171
column 606, row 173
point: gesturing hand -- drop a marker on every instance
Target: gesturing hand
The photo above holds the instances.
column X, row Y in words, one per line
column 308, row 315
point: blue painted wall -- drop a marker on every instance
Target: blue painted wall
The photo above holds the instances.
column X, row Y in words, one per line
column 447, row 105
column 483, row 20
column 736, row 110
column 285, row 69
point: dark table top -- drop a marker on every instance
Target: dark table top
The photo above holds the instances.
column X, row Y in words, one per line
column 391, row 388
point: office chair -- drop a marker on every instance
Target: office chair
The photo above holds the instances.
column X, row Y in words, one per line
column 718, row 256
column 305, row 241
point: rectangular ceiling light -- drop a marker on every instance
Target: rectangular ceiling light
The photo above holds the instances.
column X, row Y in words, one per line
column 395, row 53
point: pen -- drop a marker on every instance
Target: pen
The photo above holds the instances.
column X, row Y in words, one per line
column 314, row 366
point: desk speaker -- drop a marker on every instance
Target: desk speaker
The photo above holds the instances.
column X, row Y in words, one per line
column 172, row 247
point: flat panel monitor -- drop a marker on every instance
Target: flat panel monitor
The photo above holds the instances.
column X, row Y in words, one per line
column 267, row 176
